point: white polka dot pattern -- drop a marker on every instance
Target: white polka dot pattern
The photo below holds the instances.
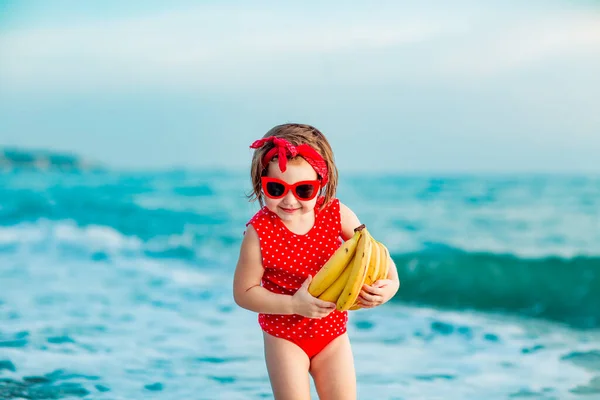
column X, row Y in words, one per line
column 289, row 258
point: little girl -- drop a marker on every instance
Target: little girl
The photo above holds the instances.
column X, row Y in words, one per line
column 299, row 226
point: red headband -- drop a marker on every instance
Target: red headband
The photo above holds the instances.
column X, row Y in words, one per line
column 281, row 148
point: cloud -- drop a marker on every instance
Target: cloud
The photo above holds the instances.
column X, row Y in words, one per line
column 198, row 46
column 227, row 46
column 524, row 42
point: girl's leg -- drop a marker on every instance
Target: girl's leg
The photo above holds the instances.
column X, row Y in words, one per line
column 288, row 366
column 333, row 371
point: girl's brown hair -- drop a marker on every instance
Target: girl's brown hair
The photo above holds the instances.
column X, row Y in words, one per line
column 296, row 134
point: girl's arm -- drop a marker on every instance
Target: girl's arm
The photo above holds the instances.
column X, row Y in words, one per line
column 247, row 290
column 249, row 294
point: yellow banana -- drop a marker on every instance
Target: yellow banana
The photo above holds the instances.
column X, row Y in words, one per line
column 383, row 267
column 358, row 273
column 374, row 263
column 385, row 262
column 336, row 264
column 333, row 292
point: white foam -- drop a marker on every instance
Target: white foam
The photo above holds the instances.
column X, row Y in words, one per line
column 188, row 277
column 23, row 233
column 93, row 237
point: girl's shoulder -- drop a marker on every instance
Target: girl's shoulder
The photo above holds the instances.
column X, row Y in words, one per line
column 329, row 214
column 344, row 218
column 333, row 205
column 259, row 216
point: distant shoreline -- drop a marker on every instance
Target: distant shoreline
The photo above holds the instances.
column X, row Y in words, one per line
column 45, row 160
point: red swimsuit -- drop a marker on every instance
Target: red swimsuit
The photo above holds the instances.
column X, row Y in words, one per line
column 288, row 259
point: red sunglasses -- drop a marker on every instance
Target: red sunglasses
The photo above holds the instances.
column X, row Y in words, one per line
column 276, row 188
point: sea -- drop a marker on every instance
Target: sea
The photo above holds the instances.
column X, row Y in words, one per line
column 118, row 285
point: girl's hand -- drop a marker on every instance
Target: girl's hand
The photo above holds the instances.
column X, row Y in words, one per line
column 305, row 304
column 378, row 293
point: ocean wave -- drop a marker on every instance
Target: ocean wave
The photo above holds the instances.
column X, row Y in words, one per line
column 565, row 289
column 528, row 246
column 96, row 242
column 556, row 288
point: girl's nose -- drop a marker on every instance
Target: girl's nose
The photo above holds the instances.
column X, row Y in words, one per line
column 289, row 198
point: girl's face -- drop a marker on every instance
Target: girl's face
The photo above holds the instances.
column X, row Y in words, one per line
column 289, row 207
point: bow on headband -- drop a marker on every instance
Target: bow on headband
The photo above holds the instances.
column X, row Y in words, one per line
column 281, row 149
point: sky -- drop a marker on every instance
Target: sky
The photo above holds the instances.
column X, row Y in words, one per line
column 396, row 86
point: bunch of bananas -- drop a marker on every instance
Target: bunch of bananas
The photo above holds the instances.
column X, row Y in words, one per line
column 360, row 260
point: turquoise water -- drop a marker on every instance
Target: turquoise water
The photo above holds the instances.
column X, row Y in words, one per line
column 117, row 285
